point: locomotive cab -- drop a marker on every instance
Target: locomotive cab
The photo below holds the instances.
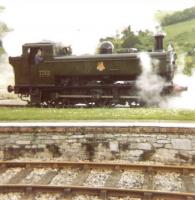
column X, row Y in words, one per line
column 25, row 68
column 29, row 51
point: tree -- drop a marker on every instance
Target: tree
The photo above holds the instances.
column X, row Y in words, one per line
column 146, row 40
column 129, row 38
column 178, row 16
column 142, row 40
column 3, row 30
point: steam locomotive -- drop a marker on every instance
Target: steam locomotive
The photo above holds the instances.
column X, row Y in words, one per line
column 104, row 79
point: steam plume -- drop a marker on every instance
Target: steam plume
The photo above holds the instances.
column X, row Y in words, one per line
column 185, row 100
column 149, row 83
column 6, row 76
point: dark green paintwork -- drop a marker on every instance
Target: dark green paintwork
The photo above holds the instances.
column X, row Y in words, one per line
column 127, row 64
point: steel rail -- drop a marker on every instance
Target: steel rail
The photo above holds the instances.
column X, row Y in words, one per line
column 37, row 164
column 99, row 191
column 145, row 193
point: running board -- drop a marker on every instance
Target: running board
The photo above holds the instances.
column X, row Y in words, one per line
column 97, row 96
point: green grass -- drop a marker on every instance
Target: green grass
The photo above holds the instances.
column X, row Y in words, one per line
column 184, row 31
column 178, row 28
column 25, row 114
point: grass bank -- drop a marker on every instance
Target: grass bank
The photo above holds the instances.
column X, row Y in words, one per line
column 185, row 29
column 18, row 114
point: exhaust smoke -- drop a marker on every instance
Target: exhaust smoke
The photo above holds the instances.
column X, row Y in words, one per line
column 186, row 99
column 6, row 77
column 149, row 84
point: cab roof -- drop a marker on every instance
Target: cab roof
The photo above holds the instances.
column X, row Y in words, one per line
column 38, row 44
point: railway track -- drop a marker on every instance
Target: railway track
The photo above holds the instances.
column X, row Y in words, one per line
column 100, row 179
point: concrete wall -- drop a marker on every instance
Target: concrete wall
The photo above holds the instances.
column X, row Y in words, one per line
column 99, row 143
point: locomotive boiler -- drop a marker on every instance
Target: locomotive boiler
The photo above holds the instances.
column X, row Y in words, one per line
column 104, row 79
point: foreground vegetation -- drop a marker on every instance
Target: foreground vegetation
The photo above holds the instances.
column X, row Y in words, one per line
column 3, row 30
column 40, row 114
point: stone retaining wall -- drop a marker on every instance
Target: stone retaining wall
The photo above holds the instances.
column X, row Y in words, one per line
column 133, row 143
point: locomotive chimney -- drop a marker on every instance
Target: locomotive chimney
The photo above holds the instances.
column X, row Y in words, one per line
column 159, row 41
column 159, row 36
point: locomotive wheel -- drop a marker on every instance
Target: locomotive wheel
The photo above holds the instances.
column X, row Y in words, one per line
column 103, row 103
column 55, row 103
column 137, row 103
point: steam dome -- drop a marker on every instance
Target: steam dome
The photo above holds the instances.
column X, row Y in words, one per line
column 106, row 47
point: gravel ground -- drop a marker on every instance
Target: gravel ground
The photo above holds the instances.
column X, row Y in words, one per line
column 167, row 181
column 35, row 176
column 57, row 196
column 10, row 173
column 65, row 177
column 193, row 177
column 11, row 196
column 85, row 197
column 97, row 178
column 124, row 198
column 47, row 196
column 131, row 179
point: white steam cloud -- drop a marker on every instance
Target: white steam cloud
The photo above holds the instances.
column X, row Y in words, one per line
column 149, row 83
column 6, row 76
column 186, row 100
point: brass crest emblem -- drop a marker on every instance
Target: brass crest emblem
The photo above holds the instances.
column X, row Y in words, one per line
column 100, row 66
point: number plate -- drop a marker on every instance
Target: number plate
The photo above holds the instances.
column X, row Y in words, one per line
column 44, row 73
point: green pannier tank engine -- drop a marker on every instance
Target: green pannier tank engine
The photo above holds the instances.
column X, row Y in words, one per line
column 46, row 74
